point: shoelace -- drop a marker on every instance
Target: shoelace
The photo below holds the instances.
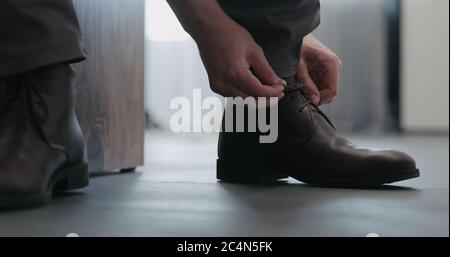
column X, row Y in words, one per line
column 34, row 103
column 298, row 89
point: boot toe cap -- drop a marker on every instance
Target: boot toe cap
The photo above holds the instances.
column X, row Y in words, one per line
column 393, row 160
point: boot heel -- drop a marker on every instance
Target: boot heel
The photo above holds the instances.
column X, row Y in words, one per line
column 242, row 172
column 72, row 178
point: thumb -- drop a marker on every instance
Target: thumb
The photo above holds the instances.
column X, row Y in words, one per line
column 263, row 71
column 310, row 86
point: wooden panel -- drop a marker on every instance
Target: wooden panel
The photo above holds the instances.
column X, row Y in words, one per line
column 110, row 84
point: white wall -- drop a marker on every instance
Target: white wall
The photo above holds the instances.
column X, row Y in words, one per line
column 425, row 65
column 173, row 65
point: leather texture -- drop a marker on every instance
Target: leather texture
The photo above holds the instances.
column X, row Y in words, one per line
column 39, row 132
column 309, row 147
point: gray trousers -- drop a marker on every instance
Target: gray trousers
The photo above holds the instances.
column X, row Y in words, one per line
column 36, row 33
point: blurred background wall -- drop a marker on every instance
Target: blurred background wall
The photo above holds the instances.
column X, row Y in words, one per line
column 358, row 32
column 425, row 65
column 173, row 65
column 395, row 56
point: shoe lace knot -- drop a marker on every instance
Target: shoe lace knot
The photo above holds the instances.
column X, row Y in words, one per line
column 298, row 89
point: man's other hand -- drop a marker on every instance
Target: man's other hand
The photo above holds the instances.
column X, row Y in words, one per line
column 319, row 70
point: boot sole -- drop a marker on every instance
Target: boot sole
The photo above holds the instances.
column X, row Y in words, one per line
column 65, row 179
column 243, row 172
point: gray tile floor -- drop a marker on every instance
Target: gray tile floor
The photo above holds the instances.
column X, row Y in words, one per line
column 176, row 194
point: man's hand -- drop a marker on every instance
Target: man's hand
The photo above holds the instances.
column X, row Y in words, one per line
column 235, row 63
column 319, row 69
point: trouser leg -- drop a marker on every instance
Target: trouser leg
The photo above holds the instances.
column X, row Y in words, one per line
column 41, row 143
column 278, row 26
column 37, row 33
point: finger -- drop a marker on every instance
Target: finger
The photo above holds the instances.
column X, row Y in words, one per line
column 272, row 102
column 268, row 102
column 236, row 92
column 327, row 96
column 263, row 71
column 227, row 91
column 330, row 86
column 249, row 100
column 252, row 86
column 310, row 86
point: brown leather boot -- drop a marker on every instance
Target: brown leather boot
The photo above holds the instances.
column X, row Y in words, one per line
column 41, row 144
column 308, row 149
